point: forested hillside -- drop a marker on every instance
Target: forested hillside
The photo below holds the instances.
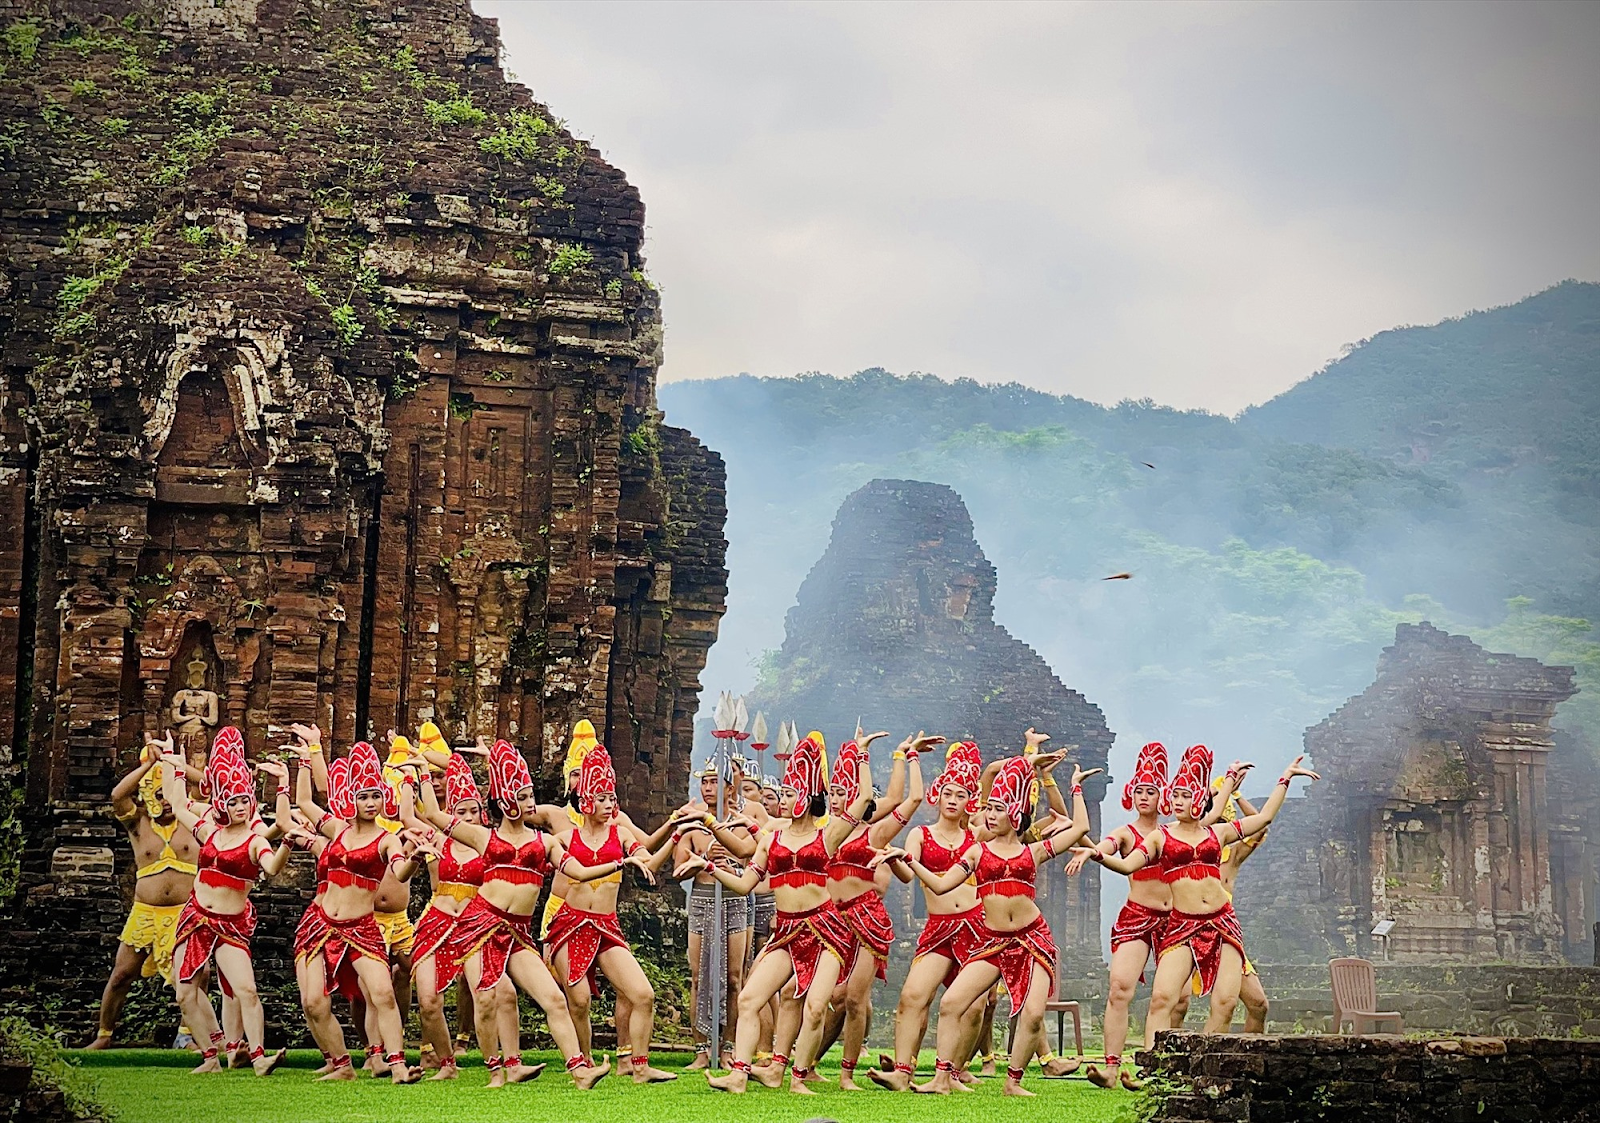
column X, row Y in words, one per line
column 1271, row 555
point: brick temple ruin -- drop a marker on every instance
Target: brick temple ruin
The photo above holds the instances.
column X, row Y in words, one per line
column 328, row 395
column 1448, row 805
column 895, row 623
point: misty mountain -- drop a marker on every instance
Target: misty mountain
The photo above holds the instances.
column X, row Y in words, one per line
column 1431, row 473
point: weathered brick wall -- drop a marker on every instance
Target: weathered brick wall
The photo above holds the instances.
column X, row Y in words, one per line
column 895, row 623
column 1308, row 1079
column 327, row 361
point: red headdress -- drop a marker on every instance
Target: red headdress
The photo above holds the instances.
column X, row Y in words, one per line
column 1151, row 770
column 341, row 800
column 227, row 775
column 963, row 767
column 595, row 778
column 846, row 771
column 508, row 774
column 459, row 786
column 1193, row 775
column 1013, row 785
column 366, row 775
column 806, row 771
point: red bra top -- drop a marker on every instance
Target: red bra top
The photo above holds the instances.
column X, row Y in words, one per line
column 1180, row 861
column 361, row 868
column 611, row 849
column 520, row 865
column 936, row 857
column 453, row 871
column 1005, row 877
column 805, row 866
column 227, row 869
column 1151, row 872
column 851, row 859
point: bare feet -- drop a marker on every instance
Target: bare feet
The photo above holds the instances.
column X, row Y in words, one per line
column 588, row 1076
column 1015, row 1088
column 798, row 1086
column 343, row 1072
column 1101, row 1077
column 702, row 1060
column 446, row 1071
column 1058, row 1067
column 210, row 1064
column 1131, row 1083
column 519, row 1074
column 265, row 1065
column 894, row 1080
column 734, row 1082
column 769, row 1075
column 649, row 1074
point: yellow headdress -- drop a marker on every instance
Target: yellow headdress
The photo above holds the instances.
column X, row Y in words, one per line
column 150, row 784
column 430, row 740
column 583, row 739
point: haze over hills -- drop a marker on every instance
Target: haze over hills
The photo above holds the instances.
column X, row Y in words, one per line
column 1446, row 472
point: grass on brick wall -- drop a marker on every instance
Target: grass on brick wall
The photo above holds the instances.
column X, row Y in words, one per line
column 154, row 1086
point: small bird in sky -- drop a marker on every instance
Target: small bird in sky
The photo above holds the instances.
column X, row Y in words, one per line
column 1118, row 577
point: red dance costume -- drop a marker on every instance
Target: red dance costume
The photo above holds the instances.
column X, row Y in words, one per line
column 1014, row 953
column 955, row 935
column 342, row 942
column 864, row 913
column 199, row 929
column 495, row 933
column 1206, row 934
column 436, row 928
column 586, row 934
column 806, row 935
column 1138, row 922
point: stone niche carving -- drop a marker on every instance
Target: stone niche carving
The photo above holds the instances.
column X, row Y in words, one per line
column 329, row 363
column 1449, row 805
column 895, row 622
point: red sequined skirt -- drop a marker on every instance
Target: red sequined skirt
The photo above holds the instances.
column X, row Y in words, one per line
column 1015, row 953
column 585, row 935
column 869, row 921
column 1205, row 936
column 436, row 931
column 340, row 944
column 495, row 934
column 805, row 936
column 201, row 930
column 955, row 936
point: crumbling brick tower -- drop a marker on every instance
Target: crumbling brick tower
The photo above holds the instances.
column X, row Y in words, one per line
column 328, row 379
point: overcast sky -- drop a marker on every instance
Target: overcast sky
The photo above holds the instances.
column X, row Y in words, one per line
column 1195, row 203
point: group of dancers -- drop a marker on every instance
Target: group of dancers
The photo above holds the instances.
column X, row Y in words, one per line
column 803, row 862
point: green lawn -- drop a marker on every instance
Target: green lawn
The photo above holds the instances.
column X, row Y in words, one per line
column 154, row 1086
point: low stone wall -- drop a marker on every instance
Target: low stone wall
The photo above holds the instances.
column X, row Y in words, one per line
column 1305, row 1079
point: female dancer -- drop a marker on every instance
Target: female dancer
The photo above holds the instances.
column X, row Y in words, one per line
column 1018, row 947
column 586, row 933
column 954, row 929
column 219, row 918
column 1201, row 933
column 852, row 880
column 1137, row 931
column 810, row 941
column 457, row 872
column 347, row 954
column 494, row 933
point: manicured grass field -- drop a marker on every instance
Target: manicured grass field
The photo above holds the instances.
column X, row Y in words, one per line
column 154, row 1086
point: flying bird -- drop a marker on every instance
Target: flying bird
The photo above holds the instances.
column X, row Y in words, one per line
column 1118, row 577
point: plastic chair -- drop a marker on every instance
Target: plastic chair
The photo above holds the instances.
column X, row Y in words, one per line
column 1355, row 997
